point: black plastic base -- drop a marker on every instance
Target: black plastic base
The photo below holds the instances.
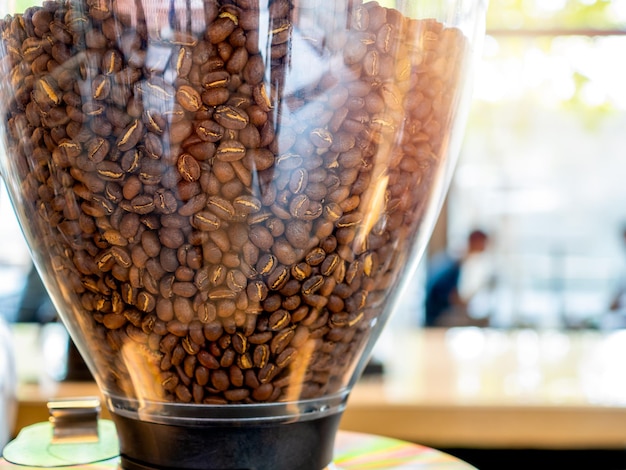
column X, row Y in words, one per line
column 301, row 445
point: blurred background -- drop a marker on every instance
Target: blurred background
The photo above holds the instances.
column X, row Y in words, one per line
column 541, row 177
column 541, row 171
column 542, row 166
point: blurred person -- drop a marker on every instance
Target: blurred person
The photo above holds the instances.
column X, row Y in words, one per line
column 616, row 316
column 35, row 305
column 618, row 301
column 8, row 384
column 454, row 283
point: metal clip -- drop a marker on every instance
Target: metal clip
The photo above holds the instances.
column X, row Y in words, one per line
column 74, row 420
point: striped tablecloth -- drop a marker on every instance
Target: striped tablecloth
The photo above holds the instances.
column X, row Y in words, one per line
column 353, row 451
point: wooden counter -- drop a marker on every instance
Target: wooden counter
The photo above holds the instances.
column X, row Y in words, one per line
column 470, row 387
column 481, row 388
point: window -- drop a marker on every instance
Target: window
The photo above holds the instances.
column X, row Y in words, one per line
column 543, row 160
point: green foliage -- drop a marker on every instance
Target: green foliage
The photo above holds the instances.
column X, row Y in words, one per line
column 564, row 14
column 554, row 21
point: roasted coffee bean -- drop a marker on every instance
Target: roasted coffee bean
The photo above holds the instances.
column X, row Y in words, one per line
column 279, row 320
column 285, row 357
column 184, row 289
column 188, row 167
column 183, row 310
column 231, row 117
column 201, row 375
column 130, row 136
column 189, row 98
column 301, row 271
column 236, row 280
column 284, row 252
column 206, row 221
column 298, row 233
column 261, row 237
column 202, row 214
column 240, row 343
column 177, row 329
column 209, row 131
column 221, row 207
column 230, row 151
column 263, row 392
column 180, row 129
column 277, row 279
column 267, row 373
column 215, row 96
column 266, row 264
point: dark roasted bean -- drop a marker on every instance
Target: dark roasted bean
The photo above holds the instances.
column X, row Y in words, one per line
column 189, row 98
column 198, row 211
column 231, row 117
column 188, row 167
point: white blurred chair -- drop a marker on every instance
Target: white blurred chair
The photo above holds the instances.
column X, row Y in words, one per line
column 8, row 384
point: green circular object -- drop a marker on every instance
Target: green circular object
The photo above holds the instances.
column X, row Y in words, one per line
column 33, row 447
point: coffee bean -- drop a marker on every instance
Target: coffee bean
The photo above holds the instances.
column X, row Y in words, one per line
column 130, row 136
column 236, row 280
column 209, row 131
column 230, row 151
column 247, row 204
column 180, row 129
column 228, row 355
column 189, row 98
column 221, row 207
column 198, row 211
column 284, row 252
column 188, row 167
column 298, row 233
column 279, row 320
column 261, row 237
column 267, row 373
column 206, row 221
column 183, row 310
column 301, row 271
column 231, row 117
column 184, row 289
column 285, row 357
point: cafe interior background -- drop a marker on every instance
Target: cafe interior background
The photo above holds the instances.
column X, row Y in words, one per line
column 541, row 171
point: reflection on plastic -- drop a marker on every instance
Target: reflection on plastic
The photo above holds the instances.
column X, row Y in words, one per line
column 8, row 384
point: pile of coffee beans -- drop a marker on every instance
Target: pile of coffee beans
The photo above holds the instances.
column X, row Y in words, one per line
column 225, row 201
